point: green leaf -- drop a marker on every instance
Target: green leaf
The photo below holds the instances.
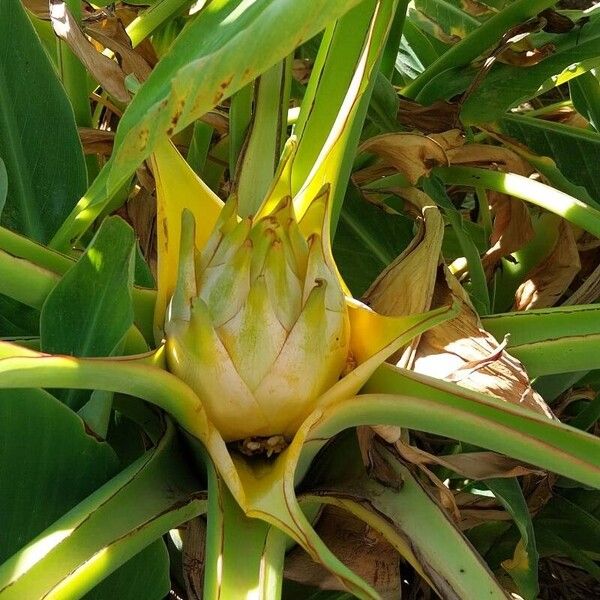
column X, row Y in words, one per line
column 576, row 151
column 244, row 557
column 572, row 523
column 105, row 530
column 549, row 198
column 551, row 340
column 523, row 567
column 416, row 52
column 146, row 576
column 3, row 185
column 48, row 464
column 506, row 86
column 259, row 33
column 585, row 93
column 90, row 310
column 399, row 397
column 449, row 16
column 480, row 41
column 38, row 139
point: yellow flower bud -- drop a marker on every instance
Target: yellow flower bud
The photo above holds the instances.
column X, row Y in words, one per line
column 258, row 325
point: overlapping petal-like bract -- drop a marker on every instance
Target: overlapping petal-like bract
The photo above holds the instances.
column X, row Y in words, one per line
column 258, row 326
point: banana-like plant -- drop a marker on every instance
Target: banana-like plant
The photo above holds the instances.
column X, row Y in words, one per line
column 260, row 358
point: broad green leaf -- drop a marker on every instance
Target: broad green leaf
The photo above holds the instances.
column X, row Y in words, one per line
column 585, row 93
column 48, row 464
column 146, row 576
column 108, row 528
column 367, row 240
column 259, row 32
column 90, row 310
column 29, row 272
column 38, row 138
column 481, row 40
column 449, row 16
column 506, row 86
column 142, row 377
column 571, row 522
column 551, row 340
column 523, row 566
column 3, row 185
column 576, row 151
column 551, row 545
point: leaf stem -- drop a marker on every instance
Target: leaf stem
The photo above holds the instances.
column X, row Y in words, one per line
column 526, row 189
column 244, row 556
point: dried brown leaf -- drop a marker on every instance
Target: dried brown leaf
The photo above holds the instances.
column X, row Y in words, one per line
column 472, row 465
column 484, row 155
column 444, row 351
column 406, row 286
column 412, row 154
column 588, row 292
column 450, row 139
column 527, row 58
column 111, row 33
column 96, row 141
column 511, row 230
column 361, row 548
column 193, row 534
column 475, row 8
column 39, row 8
column 550, row 279
column 435, row 118
column 104, row 70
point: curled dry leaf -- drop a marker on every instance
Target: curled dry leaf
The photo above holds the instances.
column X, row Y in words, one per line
column 359, row 547
column 104, row 70
column 527, row 58
column 412, row 154
column 193, row 535
column 435, row 118
column 96, row 141
column 472, row 465
column 483, row 155
column 511, row 229
column 406, row 286
column 111, row 33
column 461, row 349
column 588, row 292
column 550, row 279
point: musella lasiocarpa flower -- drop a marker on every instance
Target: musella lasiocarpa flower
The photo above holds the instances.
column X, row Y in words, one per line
column 258, row 325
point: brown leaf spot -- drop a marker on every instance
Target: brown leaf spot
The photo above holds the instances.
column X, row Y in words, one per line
column 225, row 84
